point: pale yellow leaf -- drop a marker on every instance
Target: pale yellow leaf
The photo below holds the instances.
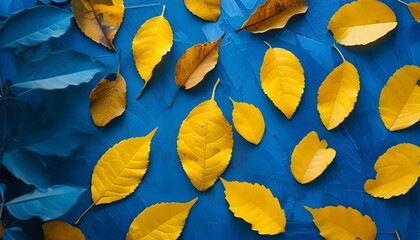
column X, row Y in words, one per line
column 205, row 9
column 205, row 142
column 399, row 103
column 160, row 221
column 414, row 8
column 256, row 205
column 343, row 223
column 58, row 230
column 362, row 22
column 248, row 121
column 397, row 171
column 310, row 158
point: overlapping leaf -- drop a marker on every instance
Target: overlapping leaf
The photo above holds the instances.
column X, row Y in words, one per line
column 55, row 230
column 414, row 8
column 205, row 9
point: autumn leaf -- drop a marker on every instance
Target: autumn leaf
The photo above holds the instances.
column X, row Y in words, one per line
column 168, row 220
column 205, row 9
column 256, row 205
column 55, row 230
column 343, row 223
column 362, row 22
column 273, row 14
column 310, row 158
column 414, row 8
column 397, row 171
column 399, row 103
column 205, row 142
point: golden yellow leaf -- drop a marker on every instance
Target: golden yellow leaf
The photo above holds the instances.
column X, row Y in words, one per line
column 343, row 223
column 205, row 142
column 256, row 205
column 310, row 158
column 362, row 22
column 120, row 170
column 338, row 94
column 205, row 9
column 152, row 41
column 282, row 79
column 273, row 14
column 399, row 103
column 160, row 221
column 100, row 22
column 1, row 229
column 397, row 171
column 414, row 8
column 55, row 230
column 248, row 121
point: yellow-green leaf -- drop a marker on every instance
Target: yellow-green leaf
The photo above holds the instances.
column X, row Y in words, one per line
column 55, row 230
column 205, row 9
column 414, row 8
column 248, row 121
column 397, row 171
column 273, row 14
column 108, row 99
column 205, row 142
column 282, row 79
column 160, row 221
column 362, row 22
column 100, row 22
column 256, row 205
column 310, row 158
column 399, row 103
column 343, row 223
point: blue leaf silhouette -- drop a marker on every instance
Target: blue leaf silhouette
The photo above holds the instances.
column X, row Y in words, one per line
column 16, row 6
column 2, row 189
column 15, row 233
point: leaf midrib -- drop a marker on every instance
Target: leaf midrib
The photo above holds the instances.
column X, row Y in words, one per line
column 205, row 146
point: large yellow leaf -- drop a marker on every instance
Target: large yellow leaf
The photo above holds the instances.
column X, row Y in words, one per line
column 343, row 223
column 282, row 79
column 248, row 121
column 273, row 14
column 108, row 99
column 256, row 205
column 362, row 22
column 338, row 94
column 152, row 41
column 399, row 103
column 205, row 142
column 55, row 230
column 99, row 21
column 310, row 158
column 160, row 221
column 397, row 171
column 205, row 9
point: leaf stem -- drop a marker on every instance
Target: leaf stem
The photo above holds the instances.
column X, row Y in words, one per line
column 267, row 44
column 83, row 214
column 163, row 10
column 214, row 88
column 338, row 50
column 141, row 91
column 119, row 62
column 173, row 99
column 402, row 2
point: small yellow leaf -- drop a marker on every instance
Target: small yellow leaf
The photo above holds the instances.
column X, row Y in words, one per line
column 205, row 9
column 310, row 158
column 399, row 103
column 362, row 22
column 1, row 229
column 273, row 14
column 160, row 221
column 55, row 230
column 282, row 79
column 205, row 142
column 196, row 62
column 100, row 22
column 397, row 171
column 414, row 8
column 256, row 205
column 343, row 223
column 108, row 99
column 248, row 121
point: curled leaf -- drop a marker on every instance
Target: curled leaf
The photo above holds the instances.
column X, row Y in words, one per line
column 205, row 9
column 55, row 230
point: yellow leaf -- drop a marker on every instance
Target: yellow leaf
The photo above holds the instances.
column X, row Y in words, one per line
column 55, row 230
column 338, row 94
column 256, row 205
column 310, row 158
column 205, row 143
column 273, row 14
column 1, row 229
column 152, row 41
column 343, row 223
column 362, row 22
column 414, row 8
column 399, row 103
column 282, row 79
column 108, row 99
column 100, row 22
column 205, row 9
column 397, row 171
column 160, row 221
column 248, row 121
